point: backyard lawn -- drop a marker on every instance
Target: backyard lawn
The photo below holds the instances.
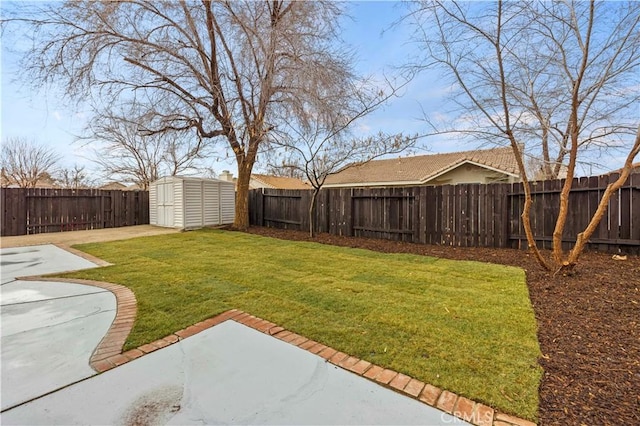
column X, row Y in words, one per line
column 467, row 327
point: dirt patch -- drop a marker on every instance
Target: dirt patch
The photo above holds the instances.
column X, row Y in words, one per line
column 588, row 327
column 153, row 408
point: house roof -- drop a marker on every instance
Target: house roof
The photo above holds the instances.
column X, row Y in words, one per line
column 113, row 186
column 635, row 168
column 45, row 182
column 423, row 168
column 278, row 182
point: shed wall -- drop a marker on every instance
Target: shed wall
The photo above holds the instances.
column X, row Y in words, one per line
column 191, row 203
column 153, row 205
column 228, row 203
column 178, row 196
column 211, row 209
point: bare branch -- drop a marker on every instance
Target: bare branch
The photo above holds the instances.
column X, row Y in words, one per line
column 26, row 163
column 556, row 80
column 226, row 70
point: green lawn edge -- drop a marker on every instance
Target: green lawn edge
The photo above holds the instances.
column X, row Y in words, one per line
column 464, row 326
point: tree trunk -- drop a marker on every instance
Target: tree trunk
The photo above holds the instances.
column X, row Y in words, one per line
column 584, row 236
column 526, row 210
column 526, row 222
column 564, row 198
column 574, row 133
column 517, row 150
column 241, row 220
column 312, row 208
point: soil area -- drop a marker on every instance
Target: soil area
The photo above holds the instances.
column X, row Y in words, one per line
column 588, row 327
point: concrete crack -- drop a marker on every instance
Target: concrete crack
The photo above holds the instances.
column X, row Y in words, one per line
column 184, row 399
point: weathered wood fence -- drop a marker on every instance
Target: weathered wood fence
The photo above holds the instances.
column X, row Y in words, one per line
column 38, row 210
column 466, row 215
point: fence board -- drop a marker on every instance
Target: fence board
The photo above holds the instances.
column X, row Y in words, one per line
column 614, row 211
column 578, row 214
column 602, row 231
column 459, row 212
column 14, row 219
column 504, row 218
column 481, row 240
column 551, row 200
column 625, row 211
column 448, row 216
column 421, row 205
column 635, row 207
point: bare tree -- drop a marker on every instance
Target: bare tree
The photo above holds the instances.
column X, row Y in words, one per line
column 130, row 153
column 543, row 48
column 543, row 71
column 222, row 69
column 75, row 177
column 316, row 155
column 25, row 162
column 319, row 141
column 276, row 165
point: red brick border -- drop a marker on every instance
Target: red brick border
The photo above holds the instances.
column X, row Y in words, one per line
column 108, row 352
column 459, row 406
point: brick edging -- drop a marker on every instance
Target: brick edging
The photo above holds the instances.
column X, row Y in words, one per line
column 459, row 406
column 111, row 344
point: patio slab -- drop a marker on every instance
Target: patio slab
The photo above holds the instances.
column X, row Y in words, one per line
column 49, row 329
column 38, row 260
column 228, row 374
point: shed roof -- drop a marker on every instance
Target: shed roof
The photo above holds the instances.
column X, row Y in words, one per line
column 191, row 178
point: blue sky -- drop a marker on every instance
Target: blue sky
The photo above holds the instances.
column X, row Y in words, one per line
column 379, row 46
column 52, row 120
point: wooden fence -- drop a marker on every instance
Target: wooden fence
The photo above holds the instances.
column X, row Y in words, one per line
column 465, row 215
column 38, row 210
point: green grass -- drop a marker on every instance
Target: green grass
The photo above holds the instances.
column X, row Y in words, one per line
column 467, row 327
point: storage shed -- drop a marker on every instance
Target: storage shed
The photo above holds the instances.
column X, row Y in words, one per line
column 191, row 203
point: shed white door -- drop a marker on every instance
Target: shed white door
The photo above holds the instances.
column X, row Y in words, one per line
column 165, row 204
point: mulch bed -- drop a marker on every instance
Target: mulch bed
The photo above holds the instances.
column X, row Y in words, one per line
column 588, row 327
